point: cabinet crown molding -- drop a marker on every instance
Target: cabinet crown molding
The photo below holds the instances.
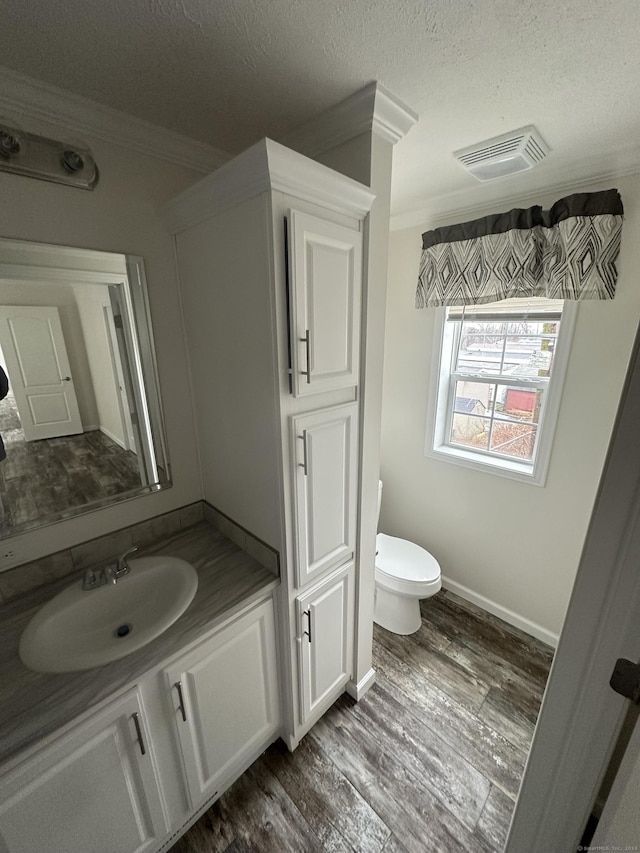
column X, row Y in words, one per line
column 27, row 99
column 266, row 166
column 373, row 108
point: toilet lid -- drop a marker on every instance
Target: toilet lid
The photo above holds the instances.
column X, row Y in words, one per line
column 405, row 560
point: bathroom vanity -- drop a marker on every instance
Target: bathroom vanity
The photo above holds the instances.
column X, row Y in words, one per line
column 270, row 253
column 154, row 737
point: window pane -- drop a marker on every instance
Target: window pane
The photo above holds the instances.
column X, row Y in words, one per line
column 513, row 439
column 474, row 398
column 518, row 403
column 470, row 431
column 518, row 348
column 480, row 348
column 530, row 353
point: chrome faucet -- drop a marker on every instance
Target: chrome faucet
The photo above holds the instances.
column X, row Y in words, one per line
column 109, row 574
column 123, row 565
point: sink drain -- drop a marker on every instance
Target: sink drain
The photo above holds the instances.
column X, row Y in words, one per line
column 123, row 630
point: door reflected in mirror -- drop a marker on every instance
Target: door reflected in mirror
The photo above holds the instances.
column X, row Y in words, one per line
column 82, row 421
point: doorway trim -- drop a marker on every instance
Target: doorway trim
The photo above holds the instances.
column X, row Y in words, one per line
column 580, row 715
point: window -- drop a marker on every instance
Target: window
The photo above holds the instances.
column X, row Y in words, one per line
column 496, row 385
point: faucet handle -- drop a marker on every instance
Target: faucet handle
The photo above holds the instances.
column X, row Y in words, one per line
column 123, row 566
column 90, row 580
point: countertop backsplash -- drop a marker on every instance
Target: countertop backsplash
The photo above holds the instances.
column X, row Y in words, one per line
column 54, row 567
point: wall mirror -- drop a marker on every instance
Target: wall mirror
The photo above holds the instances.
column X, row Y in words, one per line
column 82, row 423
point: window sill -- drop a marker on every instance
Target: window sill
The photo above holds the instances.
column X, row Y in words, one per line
column 520, row 471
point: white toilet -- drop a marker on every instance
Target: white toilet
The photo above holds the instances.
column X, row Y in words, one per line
column 405, row 573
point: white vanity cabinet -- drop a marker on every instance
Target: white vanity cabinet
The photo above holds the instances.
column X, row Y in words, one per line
column 325, row 447
column 224, row 700
column 132, row 775
column 325, row 283
column 94, row 789
column 325, row 631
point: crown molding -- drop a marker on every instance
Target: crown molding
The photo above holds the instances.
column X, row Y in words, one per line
column 373, row 109
column 234, row 182
column 25, row 98
column 23, row 260
column 266, row 166
column 298, row 175
column 444, row 211
column 392, row 119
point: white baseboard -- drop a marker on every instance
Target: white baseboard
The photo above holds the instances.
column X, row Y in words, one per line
column 113, row 438
column 357, row 690
column 503, row 613
column 100, row 428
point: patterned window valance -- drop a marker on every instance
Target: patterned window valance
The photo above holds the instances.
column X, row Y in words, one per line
column 568, row 252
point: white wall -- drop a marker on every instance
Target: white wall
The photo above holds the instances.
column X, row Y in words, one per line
column 118, row 216
column 515, row 544
column 90, row 301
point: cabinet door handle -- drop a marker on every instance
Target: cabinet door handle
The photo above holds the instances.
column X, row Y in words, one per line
column 303, row 464
column 136, row 722
column 307, row 342
column 178, row 686
column 307, row 613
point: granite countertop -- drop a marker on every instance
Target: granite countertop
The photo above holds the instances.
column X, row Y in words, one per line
column 34, row 704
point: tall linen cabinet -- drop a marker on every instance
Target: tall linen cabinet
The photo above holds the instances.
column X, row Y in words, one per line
column 270, row 255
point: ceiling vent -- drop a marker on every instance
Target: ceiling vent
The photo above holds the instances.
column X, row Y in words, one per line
column 504, row 155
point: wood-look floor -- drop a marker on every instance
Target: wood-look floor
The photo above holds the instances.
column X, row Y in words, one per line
column 52, row 476
column 429, row 760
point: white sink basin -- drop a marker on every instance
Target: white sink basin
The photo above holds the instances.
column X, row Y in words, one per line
column 81, row 629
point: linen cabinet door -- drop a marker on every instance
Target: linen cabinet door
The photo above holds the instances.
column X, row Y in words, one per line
column 95, row 789
column 225, row 700
column 325, row 466
column 325, row 640
column 325, row 281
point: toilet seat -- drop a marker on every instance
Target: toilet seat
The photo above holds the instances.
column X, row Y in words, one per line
column 406, row 568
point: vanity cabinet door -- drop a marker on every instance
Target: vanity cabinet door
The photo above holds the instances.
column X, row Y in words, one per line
column 93, row 790
column 325, row 641
column 225, row 701
column 325, row 282
column 325, row 484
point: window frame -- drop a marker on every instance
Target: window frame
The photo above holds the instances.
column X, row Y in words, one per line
column 439, row 417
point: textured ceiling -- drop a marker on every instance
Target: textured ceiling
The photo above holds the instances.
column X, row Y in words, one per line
column 228, row 72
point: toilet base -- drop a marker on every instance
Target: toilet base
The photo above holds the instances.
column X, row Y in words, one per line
column 399, row 614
